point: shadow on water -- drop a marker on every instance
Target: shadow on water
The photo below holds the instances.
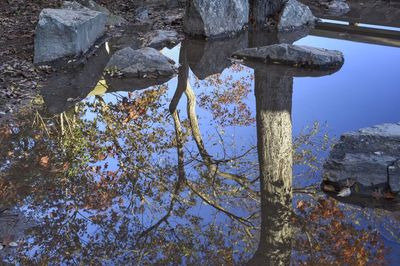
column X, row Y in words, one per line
column 158, row 176
column 65, row 87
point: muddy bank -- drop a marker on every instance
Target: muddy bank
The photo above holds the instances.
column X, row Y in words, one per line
column 20, row 80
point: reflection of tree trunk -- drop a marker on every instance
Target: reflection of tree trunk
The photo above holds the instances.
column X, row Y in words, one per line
column 183, row 79
column 274, row 135
column 184, row 87
column 179, row 145
column 194, row 124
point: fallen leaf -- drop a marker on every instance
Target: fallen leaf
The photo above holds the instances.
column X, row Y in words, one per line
column 66, row 166
column 101, row 156
column 44, row 161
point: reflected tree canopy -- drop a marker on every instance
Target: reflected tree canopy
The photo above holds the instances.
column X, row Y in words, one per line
column 144, row 178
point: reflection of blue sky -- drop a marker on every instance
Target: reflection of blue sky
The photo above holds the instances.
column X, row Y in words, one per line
column 363, row 93
column 361, row 25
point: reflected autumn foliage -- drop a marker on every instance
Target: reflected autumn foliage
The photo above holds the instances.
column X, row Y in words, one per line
column 126, row 179
column 107, row 186
column 328, row 240
column 227, row 98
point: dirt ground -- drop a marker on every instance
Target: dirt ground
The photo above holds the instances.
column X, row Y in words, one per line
column 19, row 78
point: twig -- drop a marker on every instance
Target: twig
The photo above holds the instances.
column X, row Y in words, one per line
column 219, row 208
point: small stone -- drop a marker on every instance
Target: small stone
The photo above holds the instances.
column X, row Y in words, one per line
column 95, row 6
column 336, row 7
column 344, row 192
column 112, row 20
column 73, row 5
column 163, row 38
column 142, row 14
column 13, row 244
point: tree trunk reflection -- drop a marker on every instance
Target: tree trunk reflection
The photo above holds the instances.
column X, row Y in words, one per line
column 274, row 136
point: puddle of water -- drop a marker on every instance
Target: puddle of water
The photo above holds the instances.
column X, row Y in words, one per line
column 117, row 178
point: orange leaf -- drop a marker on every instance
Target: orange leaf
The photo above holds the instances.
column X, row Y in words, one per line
column 65, row 166
column 301, row 205
column 44, row 161
column 101, row 156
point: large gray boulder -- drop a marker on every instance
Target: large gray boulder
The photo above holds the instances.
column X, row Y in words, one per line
column 62, row 32
column 212, row 18
column 142, row 63
column 112, row 20
column 366, row 156
column 295, row 16
column 293, row 55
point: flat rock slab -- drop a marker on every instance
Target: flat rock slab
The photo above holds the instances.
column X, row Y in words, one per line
column 211, row 18
column 61, row 33
column 367, row 156
column 142, row 63
column 293, row 55
column 295, row 16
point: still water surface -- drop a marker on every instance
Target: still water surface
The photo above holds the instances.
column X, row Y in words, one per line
column 120, row 179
